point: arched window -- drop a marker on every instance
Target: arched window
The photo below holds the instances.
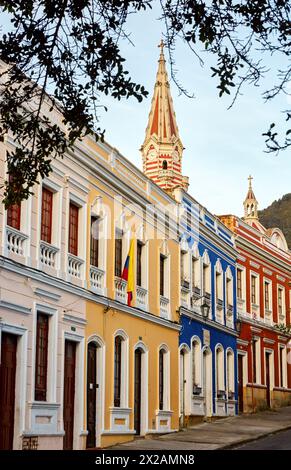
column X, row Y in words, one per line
column 165, row 165
column 230, row 373
column 161, row 379
column 220, row 388
column 196, row 368
column 117, row 370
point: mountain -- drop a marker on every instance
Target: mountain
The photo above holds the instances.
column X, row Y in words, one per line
column 278, row 214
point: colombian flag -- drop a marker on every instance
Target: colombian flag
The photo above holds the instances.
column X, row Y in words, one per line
column 127, row 273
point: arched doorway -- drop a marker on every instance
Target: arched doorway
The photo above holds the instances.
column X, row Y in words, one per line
column 182, row 387
column 207, row 382
column 95, row 360
column 140, row 389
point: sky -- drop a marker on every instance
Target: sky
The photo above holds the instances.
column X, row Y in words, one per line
column 222, row 147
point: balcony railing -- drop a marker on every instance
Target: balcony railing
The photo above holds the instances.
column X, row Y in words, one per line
column 75, row 266
column 15, row 241
column 97, row 278
column 164, row 307
column 120, row 290
column 48, row 254
column 141, row 298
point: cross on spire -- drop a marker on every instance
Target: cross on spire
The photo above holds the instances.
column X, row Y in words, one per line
column 250, row 178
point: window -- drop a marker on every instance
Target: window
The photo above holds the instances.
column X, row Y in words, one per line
column 139, row 263
column 14, row 214
column 239, row 284
column 161, row 379
column 41, row 357
column 183, row 270
column 189, row 218
column 280, row 301
column 118, row 252
column 167, row 225
column 229, row 293
column 267, row 295
column 73, row 229
column 254, row 365
column 46, row 215
column 117, row 370
column 230, row 372
column 254, row 289
column 94, row 242
column 195, row 272
column 218, row 286
column 206, row 286
column 282, row 366
column 219, row 373
column 162, row 275
column 165, row 165
column 196, row 367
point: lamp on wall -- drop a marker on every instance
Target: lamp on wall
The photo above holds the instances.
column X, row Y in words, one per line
column 205, row 308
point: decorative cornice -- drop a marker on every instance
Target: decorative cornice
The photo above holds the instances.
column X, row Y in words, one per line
column 40, row 276
column 45, row 293
column 14, row 307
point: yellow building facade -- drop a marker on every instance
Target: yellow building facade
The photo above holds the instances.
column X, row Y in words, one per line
column 131, row 364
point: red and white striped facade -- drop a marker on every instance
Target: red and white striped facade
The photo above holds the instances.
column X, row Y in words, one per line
column 162, row 148
column 264, row 306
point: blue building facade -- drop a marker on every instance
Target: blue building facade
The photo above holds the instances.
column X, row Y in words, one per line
column 208, row 338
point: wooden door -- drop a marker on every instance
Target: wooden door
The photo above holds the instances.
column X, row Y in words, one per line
column 240, row 384
column 267, row 365
column 137, row 390
column 182, row 387
column 91, row 394
column 7, row 390
column 69, row 393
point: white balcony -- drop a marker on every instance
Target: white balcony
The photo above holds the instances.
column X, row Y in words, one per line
column 97, row 279
column 141, row 298
column 15, row 241
column 75, row 266
column 48, row 254
column 120, row 290
column 164, row 307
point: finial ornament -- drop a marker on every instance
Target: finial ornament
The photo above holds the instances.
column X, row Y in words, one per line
column 250, row 178
column 162, row 45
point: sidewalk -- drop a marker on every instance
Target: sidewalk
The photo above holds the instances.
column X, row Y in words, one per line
column 221, row 434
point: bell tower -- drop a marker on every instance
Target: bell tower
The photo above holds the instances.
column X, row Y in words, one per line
column 162, row 147
column 250, row 204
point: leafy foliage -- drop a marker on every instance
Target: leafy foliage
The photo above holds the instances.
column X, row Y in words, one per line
column 64, row 54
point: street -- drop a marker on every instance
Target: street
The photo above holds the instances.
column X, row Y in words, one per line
column 279, row 441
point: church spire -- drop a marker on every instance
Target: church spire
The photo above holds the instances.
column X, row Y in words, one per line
column 250, row 203
column 162, row 148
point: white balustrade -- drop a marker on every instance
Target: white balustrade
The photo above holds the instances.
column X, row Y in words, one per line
column 97, row 278
column 164, row 307
column 15, row 241
column 121, row 290
column 48, row 254
column 75, row 265
column 141, row 298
